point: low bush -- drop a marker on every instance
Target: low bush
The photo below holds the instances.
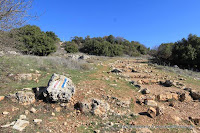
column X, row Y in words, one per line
column 31, row 40
column 71, row 47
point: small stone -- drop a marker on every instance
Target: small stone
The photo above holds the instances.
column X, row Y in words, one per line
column 27, row 89
column 176, row 118
column 58, row 109
column 5, row 113
column 2, row 98
column 33, row 110
column 21, row 125
column 151, row 103
column 22, row 117
column 26, row 112
column 145, row 91
column 65, row 123
column 36, row 71
column 53, row 114
column 195, row 94
column 195, row 120
column 8, row 125
column 152, row 112
column 111, row 124
column 25, row 98
column 37, row 121
column 63, row 104
column 116, row 71
column 96, row 131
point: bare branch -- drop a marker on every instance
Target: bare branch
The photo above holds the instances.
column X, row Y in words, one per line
column 14, row 13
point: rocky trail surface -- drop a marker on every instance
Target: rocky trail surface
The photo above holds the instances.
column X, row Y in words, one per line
column 120, row 95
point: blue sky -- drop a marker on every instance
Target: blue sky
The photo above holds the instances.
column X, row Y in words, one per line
column 151, row 22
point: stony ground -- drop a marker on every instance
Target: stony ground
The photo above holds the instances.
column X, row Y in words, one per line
column 132, row 93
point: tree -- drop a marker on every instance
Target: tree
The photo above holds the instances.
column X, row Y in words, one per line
column 165, row 51
column 71, row 47
column 52, row 35
column 34, row 41
column 186, row 52
column 13, row 13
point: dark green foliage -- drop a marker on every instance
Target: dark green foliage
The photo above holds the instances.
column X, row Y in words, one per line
column 104, row 48
column 109, row 46
column 71, row 47
column 140, row 48
column 184, row 53
column 52, row 35
column 165, row 51
column 34, row 41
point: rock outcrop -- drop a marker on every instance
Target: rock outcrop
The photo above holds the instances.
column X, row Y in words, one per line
column 95, row 107
column 23, row 97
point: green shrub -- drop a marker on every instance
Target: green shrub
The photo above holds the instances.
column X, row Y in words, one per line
column 184, row 53
column 165, row 51
column 104, row 48
column 52, row 35
column 34, row 41
column 71, row 47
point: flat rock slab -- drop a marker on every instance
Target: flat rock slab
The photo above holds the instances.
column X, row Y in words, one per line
column 21, row 125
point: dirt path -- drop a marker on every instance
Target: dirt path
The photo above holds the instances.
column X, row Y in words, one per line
column 108, row 86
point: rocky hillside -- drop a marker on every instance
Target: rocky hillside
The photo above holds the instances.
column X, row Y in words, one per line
column 79, row 93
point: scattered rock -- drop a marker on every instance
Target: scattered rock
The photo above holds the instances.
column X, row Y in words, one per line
column 84, row 107
column 184, row 97
column 22, row 117
column 37, row 121
column 151, row 103
column 99, row 107
column 5, row 113
column 167, row 96
column 21, row 125
column 2, row 98
column 195, row 120
column 53, row 114
column 65, row 123
column 96, row 107
column 116, row 71
column 25, row 98
column 137, row 86
column 26, row 112
column 160, row 110
column 27, row 89
column 176, row 118
column 147, row 81
column 33, row 110
column 9, row 124
column 151, row 112
column 187, row 89
column 113, row 85
column 145, row 91
column 195, row 94
column 96, row 131
column 58, row 109
column 26, row 76
column 134, row 71
column 84, row 57
column 123, row 104
column 171, row 104
column 60, row 89
column 167, row 83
